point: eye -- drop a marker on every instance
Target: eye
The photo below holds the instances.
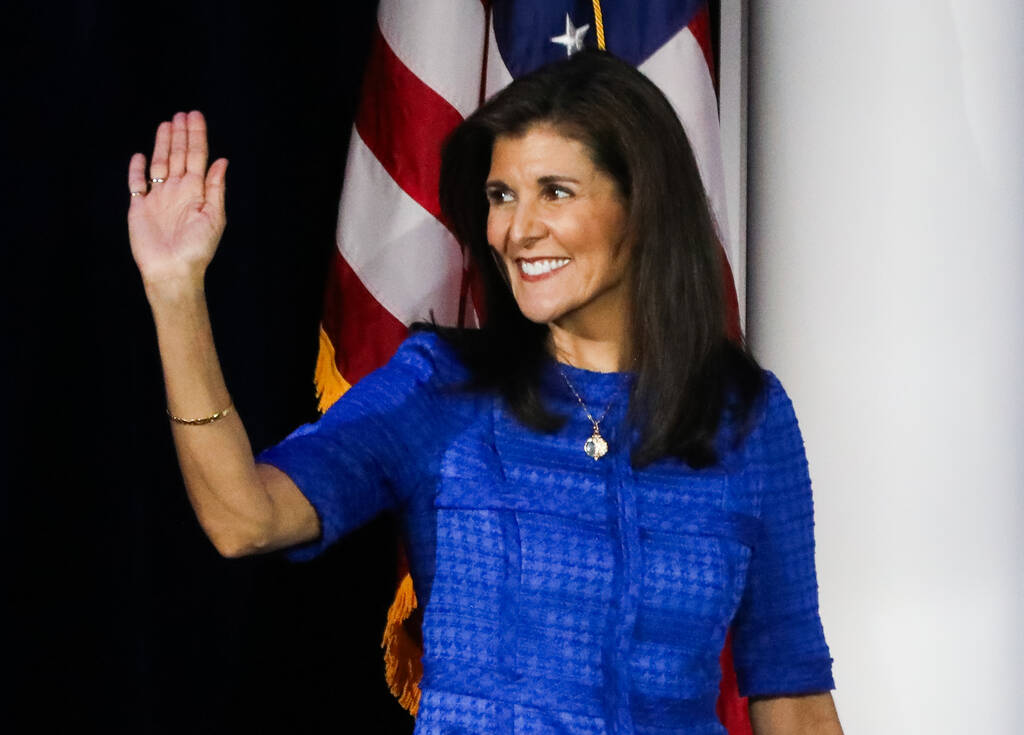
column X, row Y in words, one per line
column 556, row 191
column 497, row 195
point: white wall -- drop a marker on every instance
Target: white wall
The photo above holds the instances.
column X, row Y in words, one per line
column 886, row 288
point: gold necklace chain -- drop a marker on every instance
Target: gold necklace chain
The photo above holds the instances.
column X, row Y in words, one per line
column 596, row 446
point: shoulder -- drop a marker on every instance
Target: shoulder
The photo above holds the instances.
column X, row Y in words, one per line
column 411, row 383
column 757, row 410
column 428, row 358
column 773, row 393
column 776, row 431
column 775, row 403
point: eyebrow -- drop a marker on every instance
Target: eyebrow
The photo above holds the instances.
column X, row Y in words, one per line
column 555, row 179
column 543, row 180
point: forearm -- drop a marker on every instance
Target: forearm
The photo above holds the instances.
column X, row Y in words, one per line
column 808, row 714
column 216, row 459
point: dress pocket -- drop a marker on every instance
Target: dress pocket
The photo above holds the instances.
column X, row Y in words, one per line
column 474, row 541
column 694, row 571
column 532, row 571
column 471, row 615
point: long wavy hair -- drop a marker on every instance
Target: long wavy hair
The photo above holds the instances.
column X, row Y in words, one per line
column 688, row 373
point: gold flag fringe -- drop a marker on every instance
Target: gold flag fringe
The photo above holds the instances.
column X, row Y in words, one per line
column 402, row 666
column 330, row 385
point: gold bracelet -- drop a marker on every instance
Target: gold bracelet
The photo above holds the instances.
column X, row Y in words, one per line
column 199, row 422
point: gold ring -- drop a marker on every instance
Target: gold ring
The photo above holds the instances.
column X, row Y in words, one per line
column 138, row 193
column 157, row 181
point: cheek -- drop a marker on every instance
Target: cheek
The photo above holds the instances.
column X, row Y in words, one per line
column 496, row 227
column 596, row 246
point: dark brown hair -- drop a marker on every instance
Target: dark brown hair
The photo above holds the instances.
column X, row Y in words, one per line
column 687, row 372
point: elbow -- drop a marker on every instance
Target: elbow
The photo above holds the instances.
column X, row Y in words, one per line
column 233, row 549
column 237, row 547
column 236, row 534
column 234, row 543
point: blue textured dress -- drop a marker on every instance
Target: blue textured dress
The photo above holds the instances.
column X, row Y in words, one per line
column 562, row 594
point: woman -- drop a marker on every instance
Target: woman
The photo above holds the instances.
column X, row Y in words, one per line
column 593, row 487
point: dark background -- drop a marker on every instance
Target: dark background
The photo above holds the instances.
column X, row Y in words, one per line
column 121, row 617
column 125, row 619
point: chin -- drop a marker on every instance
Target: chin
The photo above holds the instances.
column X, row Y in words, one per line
column 542, row 313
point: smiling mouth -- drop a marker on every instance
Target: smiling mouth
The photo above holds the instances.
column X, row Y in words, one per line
column 541, row 267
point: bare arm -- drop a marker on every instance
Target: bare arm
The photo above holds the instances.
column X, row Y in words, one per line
column 174, row 231
column 807, row 714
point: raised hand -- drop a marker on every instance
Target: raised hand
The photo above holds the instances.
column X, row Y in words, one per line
column 176, row 222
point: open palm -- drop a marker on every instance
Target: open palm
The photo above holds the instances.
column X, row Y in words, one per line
column 175, row 227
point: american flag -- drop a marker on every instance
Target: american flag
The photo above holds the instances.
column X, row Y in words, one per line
column 432, row 62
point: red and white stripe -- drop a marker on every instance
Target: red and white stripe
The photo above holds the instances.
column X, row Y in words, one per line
column 396, row 261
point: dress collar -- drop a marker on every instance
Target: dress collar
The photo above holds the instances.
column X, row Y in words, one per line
column 595, row 388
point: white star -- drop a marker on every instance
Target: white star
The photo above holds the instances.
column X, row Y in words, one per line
column 572, row 39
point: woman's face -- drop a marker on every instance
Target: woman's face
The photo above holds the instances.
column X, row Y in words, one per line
column 557, row 223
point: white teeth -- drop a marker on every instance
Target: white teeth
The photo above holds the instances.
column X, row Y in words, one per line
column 537, row 267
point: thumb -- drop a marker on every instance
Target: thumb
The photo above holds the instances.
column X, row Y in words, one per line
column 215, row 186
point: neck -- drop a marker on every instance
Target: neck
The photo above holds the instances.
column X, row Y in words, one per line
column 602, row 354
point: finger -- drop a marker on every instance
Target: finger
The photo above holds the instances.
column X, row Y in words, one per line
column 215, row 186
column 179, row 145
column 161, row 150
column 195, row 161
column 137, row 176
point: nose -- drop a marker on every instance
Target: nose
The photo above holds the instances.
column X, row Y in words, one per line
column 526, row 226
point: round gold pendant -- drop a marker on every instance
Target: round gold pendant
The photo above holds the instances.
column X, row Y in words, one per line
column 595, row 447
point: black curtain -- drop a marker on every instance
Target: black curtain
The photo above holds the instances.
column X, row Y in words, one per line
column 125, row 619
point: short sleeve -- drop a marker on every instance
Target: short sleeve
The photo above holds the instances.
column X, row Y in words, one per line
column 354, row 462
column 778, row 641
